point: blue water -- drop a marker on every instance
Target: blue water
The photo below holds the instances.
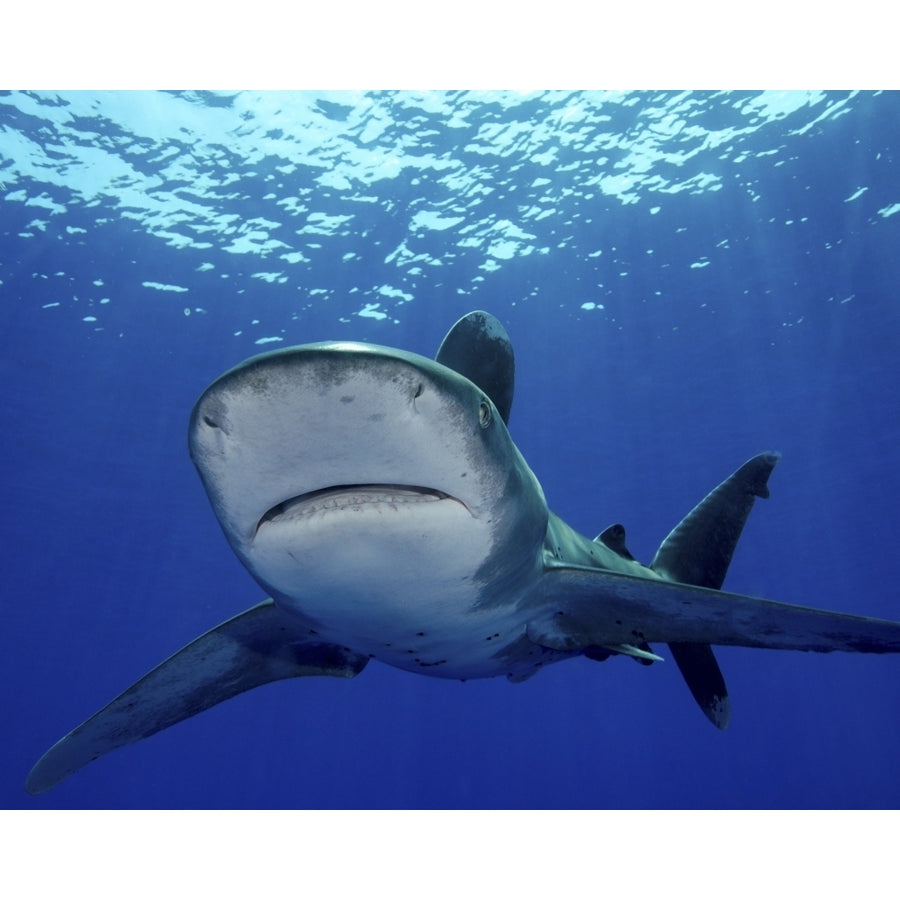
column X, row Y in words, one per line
column 688, row 279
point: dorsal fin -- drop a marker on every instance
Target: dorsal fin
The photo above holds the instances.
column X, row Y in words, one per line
column 614, row 538
column 478, row 347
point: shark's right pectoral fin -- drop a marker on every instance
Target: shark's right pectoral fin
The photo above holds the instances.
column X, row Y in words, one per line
column 260, row 645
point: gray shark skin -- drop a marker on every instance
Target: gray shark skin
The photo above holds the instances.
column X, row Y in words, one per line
column 377, row 498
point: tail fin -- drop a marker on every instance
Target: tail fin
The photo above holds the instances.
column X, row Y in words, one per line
column 698, row 551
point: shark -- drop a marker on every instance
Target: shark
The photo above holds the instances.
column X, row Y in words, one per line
column 377, row 498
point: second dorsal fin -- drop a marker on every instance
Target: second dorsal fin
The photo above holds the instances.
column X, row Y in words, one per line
column 614, row 538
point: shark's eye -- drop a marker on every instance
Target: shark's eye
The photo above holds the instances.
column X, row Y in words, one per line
column 484, row 414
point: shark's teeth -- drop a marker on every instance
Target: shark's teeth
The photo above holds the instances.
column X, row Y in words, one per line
column 351, row 497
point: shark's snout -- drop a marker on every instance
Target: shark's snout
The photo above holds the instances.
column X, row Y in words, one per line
column 301, row 433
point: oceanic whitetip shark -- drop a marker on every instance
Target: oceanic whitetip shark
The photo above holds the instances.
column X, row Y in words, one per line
column 377, row 498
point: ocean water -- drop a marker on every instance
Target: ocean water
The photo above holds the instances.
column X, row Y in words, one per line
column 688, row 279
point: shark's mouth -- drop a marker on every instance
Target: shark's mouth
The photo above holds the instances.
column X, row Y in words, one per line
column 352, row 498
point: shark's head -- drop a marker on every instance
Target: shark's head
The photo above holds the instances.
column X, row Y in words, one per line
column 366, row 474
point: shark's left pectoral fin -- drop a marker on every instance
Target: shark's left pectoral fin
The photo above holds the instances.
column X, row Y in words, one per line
column 260, row 645
column 578, row 607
